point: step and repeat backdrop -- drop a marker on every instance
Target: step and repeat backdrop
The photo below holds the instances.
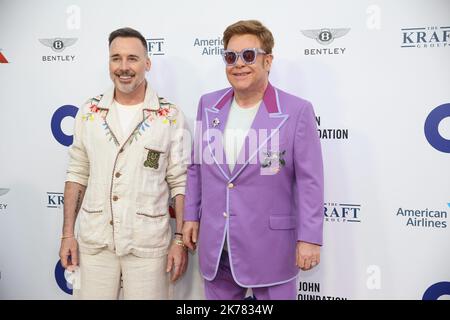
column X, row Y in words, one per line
column 377, row 73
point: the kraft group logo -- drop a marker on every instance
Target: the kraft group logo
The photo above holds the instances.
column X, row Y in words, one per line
column 437, row 290
column 155, row 46
column 55, row 199
column 3, row 58
column 425, row 37
column 432, row 123
column 57, row 118
column 342, row 212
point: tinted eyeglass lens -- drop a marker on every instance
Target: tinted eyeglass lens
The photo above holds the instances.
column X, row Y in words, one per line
column 249, row 56
column 230, row 57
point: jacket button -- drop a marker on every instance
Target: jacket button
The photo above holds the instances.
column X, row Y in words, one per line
column 230, row 186
column 224, row 214
column 121, row 150
column 118, row 174
column 115, row 198
column 111, row 222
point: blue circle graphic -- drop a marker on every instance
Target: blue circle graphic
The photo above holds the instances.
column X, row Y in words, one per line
column 64, row 111
column 437, row 290
column 432, row 128
column 61, row 279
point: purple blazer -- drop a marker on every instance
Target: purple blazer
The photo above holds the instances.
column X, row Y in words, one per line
column 272, row 199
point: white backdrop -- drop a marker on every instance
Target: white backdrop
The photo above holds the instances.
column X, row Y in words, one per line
column 374, row 87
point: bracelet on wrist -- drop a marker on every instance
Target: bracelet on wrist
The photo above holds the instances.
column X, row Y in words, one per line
column 179, row 243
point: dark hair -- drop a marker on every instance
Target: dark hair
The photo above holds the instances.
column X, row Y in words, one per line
column 127, row 33
column 250, row 27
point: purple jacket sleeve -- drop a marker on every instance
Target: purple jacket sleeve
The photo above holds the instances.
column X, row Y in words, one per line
column 309, row 178
column 192, row 202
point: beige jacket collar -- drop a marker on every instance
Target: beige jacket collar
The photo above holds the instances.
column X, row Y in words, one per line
column 151, row 103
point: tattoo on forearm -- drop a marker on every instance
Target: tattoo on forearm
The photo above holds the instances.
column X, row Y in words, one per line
column 77, row 208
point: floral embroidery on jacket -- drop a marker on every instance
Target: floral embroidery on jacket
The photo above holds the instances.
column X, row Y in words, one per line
column 167, row 112
column 94, row 109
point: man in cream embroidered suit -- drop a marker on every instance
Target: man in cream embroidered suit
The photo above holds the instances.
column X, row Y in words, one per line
column 125, row 163
column 257, row 214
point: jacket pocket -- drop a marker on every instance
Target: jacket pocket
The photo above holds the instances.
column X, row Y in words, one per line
column 151, row 229
column 92, row 211
column 149, row 214
column 282, row 222
column 92, row 226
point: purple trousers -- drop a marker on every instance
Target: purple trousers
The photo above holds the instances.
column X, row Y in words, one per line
column 223, row 286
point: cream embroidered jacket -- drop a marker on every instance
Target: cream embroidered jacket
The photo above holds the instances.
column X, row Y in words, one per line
column 129, row 178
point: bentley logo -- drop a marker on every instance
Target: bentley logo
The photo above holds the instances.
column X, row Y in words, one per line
column 3, row 191
column 58, row 44
column 325, row 36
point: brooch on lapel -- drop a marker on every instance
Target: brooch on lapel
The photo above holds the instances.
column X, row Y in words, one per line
column 152, row 159
column 273, row 160
column 215, row 122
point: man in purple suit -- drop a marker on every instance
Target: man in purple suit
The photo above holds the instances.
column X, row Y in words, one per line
column 254, row 198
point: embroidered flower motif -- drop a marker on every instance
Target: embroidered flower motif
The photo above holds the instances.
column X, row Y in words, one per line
column 173, row 112
column 162, row 112
column 168, row 112
column 88, row 116
column 94, row 108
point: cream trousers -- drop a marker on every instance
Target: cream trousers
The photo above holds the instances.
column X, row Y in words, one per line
column 102, row 275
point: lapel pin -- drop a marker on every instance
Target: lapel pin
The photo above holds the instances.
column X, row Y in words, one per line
column 216, row 122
